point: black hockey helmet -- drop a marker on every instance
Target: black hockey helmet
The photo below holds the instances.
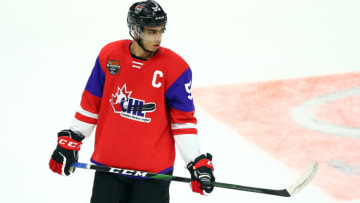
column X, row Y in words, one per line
column 146, row 13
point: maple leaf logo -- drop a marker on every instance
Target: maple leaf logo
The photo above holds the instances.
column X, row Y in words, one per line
column 120, row 99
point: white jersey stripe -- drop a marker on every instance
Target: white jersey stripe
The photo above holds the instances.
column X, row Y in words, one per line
column 137, row 63
column 88, row 114
column 175, row 126
column 136, row 66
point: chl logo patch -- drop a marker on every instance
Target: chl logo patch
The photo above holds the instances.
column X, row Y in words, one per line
column 113, row 67
column 131, row 108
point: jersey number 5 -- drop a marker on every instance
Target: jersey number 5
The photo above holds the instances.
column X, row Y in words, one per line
column 188, row 90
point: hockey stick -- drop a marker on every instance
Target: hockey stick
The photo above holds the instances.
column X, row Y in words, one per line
column 288, row 192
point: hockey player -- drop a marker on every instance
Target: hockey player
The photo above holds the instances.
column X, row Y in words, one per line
column 138, row 97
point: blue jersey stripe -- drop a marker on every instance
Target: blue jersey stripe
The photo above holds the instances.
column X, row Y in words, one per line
column 95, row 84
column 178, row 95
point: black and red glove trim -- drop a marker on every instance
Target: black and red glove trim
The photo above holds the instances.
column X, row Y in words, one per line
column 201, row 171
column 66, row 152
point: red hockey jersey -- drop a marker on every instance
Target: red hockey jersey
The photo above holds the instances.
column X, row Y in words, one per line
column 137, row 106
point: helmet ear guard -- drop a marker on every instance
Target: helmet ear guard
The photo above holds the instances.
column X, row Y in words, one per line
column 135, row 31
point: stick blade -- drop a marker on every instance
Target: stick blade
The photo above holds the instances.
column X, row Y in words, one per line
column 304, row 179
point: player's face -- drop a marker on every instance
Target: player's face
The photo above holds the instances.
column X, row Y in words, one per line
column 152, row 36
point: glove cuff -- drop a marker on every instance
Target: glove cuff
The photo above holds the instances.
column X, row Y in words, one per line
column 200, row 161
column 73, row 135
column 204, row 163
column 70, row 140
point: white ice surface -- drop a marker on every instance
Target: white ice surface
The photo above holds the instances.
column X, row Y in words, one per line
column 47, row 50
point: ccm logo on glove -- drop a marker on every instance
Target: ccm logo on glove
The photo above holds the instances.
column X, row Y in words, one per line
column 68, row 143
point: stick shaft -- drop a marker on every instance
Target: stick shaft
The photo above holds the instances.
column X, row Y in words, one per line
column 143, row 174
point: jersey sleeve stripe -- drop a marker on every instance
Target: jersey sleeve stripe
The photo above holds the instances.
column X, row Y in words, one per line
column 182, row 117
column 85, row 119
column 175, row 126
column 87, row 113
column 184, row 131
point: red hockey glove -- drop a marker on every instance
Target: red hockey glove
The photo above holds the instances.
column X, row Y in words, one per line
column 201, row 171
column 66, row 152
